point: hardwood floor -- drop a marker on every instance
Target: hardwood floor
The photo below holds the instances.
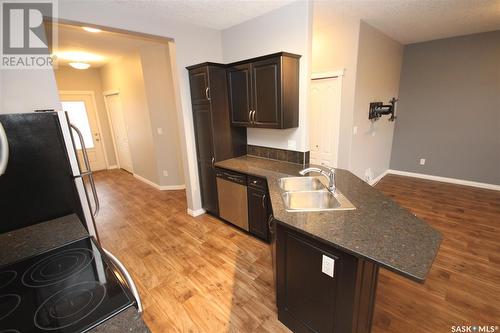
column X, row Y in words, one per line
column 201, row 275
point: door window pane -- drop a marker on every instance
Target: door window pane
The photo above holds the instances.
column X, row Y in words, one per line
column 77, row 114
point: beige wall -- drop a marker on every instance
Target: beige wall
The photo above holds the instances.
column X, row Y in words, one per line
column 158, row 81
column 335, row 47
column 68, row 78
column 377, row 79
column 125, row 75
column 144, row 80
column 372, row 64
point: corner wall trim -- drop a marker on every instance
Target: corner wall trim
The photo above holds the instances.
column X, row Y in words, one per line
column 160, row 187
column 444, row 179
column 111, row 167
column 196, row 212
column 374, row 181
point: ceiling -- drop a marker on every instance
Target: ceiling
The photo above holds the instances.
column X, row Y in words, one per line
column 104, row 46
column 411, row 21
column 216, row 14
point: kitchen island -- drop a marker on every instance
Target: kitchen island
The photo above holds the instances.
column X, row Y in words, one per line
column 327, row 262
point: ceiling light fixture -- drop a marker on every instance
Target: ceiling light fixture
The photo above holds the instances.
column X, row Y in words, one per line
column 93, row 30
column 79, row 65
column 79, row 56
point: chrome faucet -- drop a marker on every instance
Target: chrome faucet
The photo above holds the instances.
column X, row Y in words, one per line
column 330, row 174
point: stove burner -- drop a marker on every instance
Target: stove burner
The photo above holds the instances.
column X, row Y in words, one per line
column 6, row 277
column 69, row 306
column 8, row 304
column 57, row 267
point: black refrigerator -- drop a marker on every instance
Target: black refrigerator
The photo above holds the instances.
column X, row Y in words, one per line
column 40, row 176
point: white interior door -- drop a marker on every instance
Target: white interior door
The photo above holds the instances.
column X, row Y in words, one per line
column 82, row 113
column 119, row 129
column 325, row 120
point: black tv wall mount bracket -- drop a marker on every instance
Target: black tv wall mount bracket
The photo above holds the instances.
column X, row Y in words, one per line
column 379, row 109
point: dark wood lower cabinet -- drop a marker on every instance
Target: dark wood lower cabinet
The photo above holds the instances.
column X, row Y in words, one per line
column 312, row 301
column 258, row 213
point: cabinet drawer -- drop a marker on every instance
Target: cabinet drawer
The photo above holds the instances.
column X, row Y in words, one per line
column 257, row 182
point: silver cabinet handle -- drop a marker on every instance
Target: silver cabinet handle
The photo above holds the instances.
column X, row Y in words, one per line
column 213, row 160
column 250, row 116
column 4, row 150
column 88, row 171
column 207, row 93
column 264, row 201
column 269, row 222
column 127, row 277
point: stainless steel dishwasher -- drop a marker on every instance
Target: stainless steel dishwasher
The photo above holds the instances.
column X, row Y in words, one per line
column 232, row 195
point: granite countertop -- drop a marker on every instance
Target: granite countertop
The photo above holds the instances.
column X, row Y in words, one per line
column 379, row 230
column 25, row 242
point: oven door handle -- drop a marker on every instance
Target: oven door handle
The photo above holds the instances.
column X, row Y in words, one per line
column 88, row 171
column 128, row 278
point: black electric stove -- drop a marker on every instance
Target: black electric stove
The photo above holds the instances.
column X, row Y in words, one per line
column 72, row 288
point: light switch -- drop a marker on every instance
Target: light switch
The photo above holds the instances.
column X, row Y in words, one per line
column 328, row 265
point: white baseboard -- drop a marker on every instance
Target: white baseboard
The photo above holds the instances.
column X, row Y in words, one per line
column 172, row 187
column 374, row 181
column 160, row 187
column 111, row 167
column 196, row 212
column 445, row 179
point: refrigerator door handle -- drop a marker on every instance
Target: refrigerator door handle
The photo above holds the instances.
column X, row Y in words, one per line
column 127, row 277
column 88, row 171
column 4, row 150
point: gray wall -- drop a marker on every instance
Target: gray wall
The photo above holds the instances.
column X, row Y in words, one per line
column 449, row 109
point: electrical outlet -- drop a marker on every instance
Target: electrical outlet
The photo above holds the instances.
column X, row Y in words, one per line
column 159, row 130
column 422, row 161
column 368, row 175
column 328, row 265
column 355, row 130
column 165, row 173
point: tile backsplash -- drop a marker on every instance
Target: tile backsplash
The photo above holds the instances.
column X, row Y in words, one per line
column 292, row 156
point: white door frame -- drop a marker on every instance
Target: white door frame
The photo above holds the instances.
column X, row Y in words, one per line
column 339, row 74
column 110, row 121
column 92, row 96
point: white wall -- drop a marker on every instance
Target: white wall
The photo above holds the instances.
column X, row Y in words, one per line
column 377, row 79
column 25, row 90
column 286, row 29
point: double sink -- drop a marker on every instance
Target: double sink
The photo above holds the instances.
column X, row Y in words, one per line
column 308, row 194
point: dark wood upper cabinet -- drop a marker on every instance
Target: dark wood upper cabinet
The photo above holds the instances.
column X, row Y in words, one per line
column 198, row 82
column 215, row 138
column 240, row 94
column 264, row 91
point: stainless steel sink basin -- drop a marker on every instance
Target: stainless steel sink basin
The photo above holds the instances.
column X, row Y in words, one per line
column 289, row 184
column 309, row 194
column 310, row 201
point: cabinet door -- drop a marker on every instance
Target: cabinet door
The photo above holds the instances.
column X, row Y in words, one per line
column 266, row 87
column 199, row 85
column 205, row 153
column 239, row 82
column 258, row 213
column 306, row 295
